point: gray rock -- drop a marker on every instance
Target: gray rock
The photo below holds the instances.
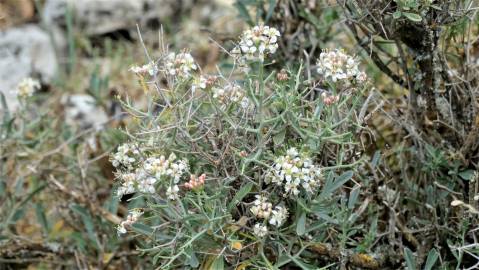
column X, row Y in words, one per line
column 82, row 112
column 25, row 51
column 96, row 17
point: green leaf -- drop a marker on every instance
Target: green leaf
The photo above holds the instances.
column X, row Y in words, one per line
column 412, row 16
column 6, row 113
column 111, row 205
column 301, row 225
column 278, row 139
column 332, row 186
column 142, row 228
column 192, row 259
column 301, row 264
column 272, row 5
column 302, row 204
column 375, row 160
column 87, row 221
column 240, row 195
column 218, row 264
column 309, row 17
column 409, row 257
column 243, row 12
column 41, row 217
column 353, row 197
column 80, row 241
column 432, row 257
column 3, row 188
column 19, row 213
column 467, row 174
column 397, row 14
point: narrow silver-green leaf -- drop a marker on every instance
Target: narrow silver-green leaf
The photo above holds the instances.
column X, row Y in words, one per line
column 301, row 225
column 431, row 260
column 240, row 195
column 412, row 16
column 218, row 263
column 409, row 257
column 332, row 186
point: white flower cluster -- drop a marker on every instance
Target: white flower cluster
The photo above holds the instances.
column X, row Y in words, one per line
column 258, row 42
column 278, row 216
column 260, row 230
column 263, row 209
column 27, row 87
column 137, row 181
column 130, row 220
column 128, row 184
column 232, row 93
column 203, row 82
column 172, row 192
column 199, row 83
column 181, row 64
column 336, row 65
column 152, row 170
column 162, row 166
column 126, row 156
column 151, row 69
column 294, row 171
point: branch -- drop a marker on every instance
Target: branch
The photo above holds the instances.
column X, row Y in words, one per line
column 363, row 260
column 374, row 56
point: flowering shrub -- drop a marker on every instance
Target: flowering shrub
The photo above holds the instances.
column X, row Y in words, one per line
column 248, row 169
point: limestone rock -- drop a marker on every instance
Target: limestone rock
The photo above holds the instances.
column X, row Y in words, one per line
column 82, row 112
column 25, row 51
column 97, row 17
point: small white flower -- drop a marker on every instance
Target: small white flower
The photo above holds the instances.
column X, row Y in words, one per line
column 121, row 229
column 261, row 207
column 219, row 93
column 128, row 184
column 245, row 103
column 232, row 93
column 27, row 87
column 291, row 187
column 292, row 152
column 176, row 170
column 150, row 68
column 146, row 185
column 132, row 218
column 125, row 155
column 260, row 230
column 180, row 65
column 172, row 192
column 156, row 166
column 135, row 214
column 199, row 83
column 361, row 77
column 258, row 42
column 278, row 216
column 336, row 65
